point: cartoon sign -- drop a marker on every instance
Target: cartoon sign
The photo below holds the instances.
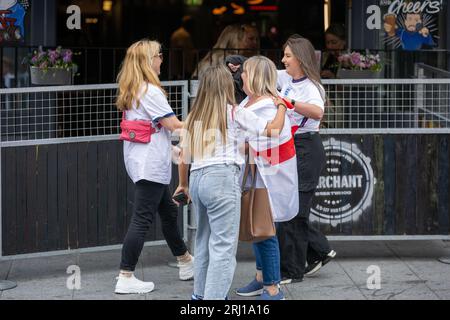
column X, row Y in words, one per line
column 410, row 26
column 12, row 16
column 407, row 24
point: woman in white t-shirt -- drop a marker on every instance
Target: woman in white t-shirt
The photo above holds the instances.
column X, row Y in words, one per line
column 276, row 164
column 212, row 143
column 301, row 85
column 149, row 165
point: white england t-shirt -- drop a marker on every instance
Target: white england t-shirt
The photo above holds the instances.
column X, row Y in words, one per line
column 303, row 91
column 241, row 123
column 150, row 161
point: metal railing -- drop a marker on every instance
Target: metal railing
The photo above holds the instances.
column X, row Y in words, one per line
column 384, row 105
column 425, row 71
column 398, row 105
column 371, row 105
column 47, row 113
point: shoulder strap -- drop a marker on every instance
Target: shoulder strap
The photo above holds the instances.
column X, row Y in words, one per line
column 249, row 166
column 305, row 119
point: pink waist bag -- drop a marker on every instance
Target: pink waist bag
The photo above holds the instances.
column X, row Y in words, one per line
column 139, row 131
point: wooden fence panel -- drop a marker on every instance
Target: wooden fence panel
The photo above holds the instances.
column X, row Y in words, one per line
column 78, row 195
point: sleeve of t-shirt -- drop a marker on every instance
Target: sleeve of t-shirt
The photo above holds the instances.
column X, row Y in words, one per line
column 156, row 104
column 250, row 122
column 314, row 97
column 281, row 79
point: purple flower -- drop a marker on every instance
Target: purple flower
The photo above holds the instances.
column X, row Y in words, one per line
column 43, row 65
column 60, row 58
column 53, row 55
column 356, row 58
column 67, row 56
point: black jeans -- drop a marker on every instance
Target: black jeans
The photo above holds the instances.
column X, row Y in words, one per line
column 299, row 241
column 149, row 198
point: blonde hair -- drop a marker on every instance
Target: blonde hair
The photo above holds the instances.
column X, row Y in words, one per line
column 209, row 112
column 261, row 76
column 228, row 43
column 135, row 71
column 304, row 52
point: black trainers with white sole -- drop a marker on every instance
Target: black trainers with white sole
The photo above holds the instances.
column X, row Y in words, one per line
column 316, row 265
column 288, row 280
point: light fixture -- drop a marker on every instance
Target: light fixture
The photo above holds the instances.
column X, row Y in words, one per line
column 107, row 5
column 326, row 13
column 91, row 20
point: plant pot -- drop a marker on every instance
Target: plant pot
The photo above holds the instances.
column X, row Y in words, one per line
column 358, row 74
column 53, row 76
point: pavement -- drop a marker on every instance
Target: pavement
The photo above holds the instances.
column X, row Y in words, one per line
column 408, row 270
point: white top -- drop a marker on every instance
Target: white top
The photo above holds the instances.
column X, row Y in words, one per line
column 150, row 161
column 241, row 123
column 280, row 178
column 303, row 91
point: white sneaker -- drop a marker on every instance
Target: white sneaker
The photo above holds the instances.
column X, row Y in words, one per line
column 131, row 285
column 186, row 270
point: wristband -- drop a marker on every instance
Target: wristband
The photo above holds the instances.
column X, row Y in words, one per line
column 281, row 104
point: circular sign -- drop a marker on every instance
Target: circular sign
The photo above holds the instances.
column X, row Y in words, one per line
column 345, row 189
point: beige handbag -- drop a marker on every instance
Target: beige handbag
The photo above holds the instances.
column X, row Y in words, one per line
column 256, row 214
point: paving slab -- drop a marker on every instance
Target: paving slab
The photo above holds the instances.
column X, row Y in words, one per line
column 100, row 286
column 98, row 276
column 41, row 268
column 155, row 262
column 40, row 289
column 5, row 266
column 443, row 294
column 436, row 275
column 409, row 270
column 97, row 261
column 398, row 281
column 419, row 249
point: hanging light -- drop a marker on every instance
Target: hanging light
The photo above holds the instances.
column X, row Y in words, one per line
column 326, row 13
column 107, row 5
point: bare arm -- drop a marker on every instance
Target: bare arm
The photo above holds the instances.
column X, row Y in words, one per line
column 171, row 123
column 274, row 127
column 183, row 170
column 308, row 110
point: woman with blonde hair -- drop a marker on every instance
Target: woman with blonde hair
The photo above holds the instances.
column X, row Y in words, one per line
column 148, row 165
column 211, row 143
column 276, row 168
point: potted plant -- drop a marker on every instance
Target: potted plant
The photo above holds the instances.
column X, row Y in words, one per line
column 355, row 65
column 52, row 66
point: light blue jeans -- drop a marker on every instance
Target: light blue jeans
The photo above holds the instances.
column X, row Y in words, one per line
column 216, row 196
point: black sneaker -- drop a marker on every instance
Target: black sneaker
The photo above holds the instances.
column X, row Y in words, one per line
column 328, row 257
column 288, row 280
column 316, row 265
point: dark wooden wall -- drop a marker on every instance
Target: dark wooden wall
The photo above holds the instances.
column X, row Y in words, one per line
column 69, row 196
column 66, row 196
column 411, row 194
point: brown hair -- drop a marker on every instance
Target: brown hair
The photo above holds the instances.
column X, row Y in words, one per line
column 304, row 51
